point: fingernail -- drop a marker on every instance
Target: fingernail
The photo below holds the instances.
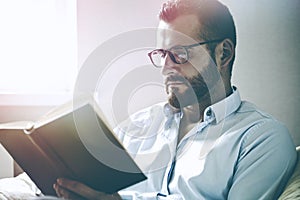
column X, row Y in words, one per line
column 59, row 181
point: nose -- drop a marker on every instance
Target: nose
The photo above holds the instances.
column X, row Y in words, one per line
column 168, row 66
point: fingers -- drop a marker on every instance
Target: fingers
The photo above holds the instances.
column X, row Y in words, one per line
column 67, row 188
column 66, row 194
column 79, row 188
column 70, row 189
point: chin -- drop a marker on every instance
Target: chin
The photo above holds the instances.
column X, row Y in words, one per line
column 173, row 101
column 180, row 101
column 179, row 97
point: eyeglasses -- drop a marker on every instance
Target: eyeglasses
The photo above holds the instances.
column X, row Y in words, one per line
column 178, row 54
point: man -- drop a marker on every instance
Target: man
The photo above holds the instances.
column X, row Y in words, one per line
column 204, row 143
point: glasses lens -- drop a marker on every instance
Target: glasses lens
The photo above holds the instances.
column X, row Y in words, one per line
column 179, row 54
column 157, row 57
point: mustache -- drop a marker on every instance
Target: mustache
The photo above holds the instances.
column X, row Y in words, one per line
column 174, row 78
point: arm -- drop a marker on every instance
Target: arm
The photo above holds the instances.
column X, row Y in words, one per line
column 267, row 159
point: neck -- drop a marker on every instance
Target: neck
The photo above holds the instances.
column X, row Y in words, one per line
column 193, row 114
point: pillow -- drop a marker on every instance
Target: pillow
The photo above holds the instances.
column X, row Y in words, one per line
column 292, row 191
column 20, row 187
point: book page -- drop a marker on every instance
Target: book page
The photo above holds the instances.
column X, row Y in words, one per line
column 16, row 125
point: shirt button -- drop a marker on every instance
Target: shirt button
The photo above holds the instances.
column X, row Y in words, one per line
column 208, row 113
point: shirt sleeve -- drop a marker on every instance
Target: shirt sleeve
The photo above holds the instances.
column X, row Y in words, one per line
column 133, row 195
column 266, row 162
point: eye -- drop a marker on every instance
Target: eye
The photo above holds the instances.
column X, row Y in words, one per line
column 180, row 54
column 157, row 57
column 159, row 53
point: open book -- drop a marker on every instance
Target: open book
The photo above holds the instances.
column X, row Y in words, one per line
column 73, row 142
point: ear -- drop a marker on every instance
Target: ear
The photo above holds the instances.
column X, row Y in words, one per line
column 226, row 51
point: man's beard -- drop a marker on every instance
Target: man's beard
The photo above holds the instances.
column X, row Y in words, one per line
column 197, row 89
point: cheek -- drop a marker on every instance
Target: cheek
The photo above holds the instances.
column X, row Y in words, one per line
column 194, row 69
column 200, row 61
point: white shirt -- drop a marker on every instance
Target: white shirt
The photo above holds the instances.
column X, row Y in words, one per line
column 237, row 152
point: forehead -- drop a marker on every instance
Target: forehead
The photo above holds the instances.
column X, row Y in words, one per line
column 183, row 30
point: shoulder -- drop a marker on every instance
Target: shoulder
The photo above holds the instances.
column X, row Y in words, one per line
column 261, row 126
column 265, row 135
column 140, row 121
column 145, row 116
column 250, row 109
column 265, row 149
column 260, row 122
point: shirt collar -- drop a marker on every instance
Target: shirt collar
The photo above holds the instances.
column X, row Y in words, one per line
column 223, row 108
column 170, row 111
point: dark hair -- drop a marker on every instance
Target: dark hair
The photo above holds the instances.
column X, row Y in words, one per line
column 215, row 18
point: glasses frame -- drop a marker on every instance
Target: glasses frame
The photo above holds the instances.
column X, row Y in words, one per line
column 185, row 47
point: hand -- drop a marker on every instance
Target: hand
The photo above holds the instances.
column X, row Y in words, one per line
column 74, row 190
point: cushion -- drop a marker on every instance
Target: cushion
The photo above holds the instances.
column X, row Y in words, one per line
column 26, row 189
column 292, row 191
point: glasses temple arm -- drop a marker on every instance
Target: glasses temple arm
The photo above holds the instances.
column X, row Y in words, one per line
column 201, row 43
